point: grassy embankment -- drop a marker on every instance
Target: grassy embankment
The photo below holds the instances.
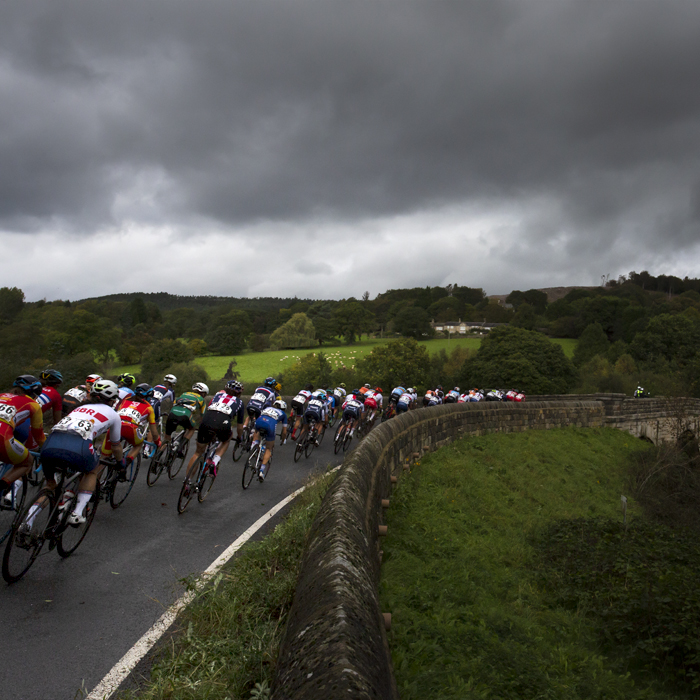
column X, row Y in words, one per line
column 509, row 574
column 254, row 366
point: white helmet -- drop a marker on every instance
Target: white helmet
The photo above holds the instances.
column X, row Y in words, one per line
column 280, row 404
column 170, row 378
column 105, row 389
column 200, row 388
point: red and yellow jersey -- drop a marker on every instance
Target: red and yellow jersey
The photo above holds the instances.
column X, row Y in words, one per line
column 136, row 412
column 15, row 409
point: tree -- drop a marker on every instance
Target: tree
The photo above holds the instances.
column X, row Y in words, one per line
column 396, row 362
column 593, row 341
column 525, row 317
column 533, row 297
column 448, row 308
column 229, row 333
column 674, row 338
column 298, row 332
column 11, row 303
column 352, row 318
column 413, row 322
column 162, row 355
column 512, row 357
column 313, row 369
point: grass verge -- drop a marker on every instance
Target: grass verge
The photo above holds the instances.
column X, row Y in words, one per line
column 489, row 585
column 227, row 640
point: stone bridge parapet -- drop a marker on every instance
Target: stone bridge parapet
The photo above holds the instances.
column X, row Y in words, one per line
column 335, row 643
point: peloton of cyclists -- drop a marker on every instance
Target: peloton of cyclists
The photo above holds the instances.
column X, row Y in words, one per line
column 299, row 403
column 263, row 397
column 316, row 412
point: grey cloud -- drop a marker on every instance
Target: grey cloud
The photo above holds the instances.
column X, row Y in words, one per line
column 280, row 110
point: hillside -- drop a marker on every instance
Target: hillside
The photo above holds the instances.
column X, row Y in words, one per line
column 553, row 293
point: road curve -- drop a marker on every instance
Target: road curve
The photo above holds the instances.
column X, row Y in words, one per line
column 67, row 622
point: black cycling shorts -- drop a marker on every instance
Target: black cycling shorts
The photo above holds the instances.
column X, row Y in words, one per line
column 214, row 425
column 298, row 406
column 173, row 421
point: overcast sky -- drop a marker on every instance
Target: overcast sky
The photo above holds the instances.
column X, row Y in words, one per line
column 325, row 148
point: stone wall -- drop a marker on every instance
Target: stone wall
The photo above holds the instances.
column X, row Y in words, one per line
column 335, row 641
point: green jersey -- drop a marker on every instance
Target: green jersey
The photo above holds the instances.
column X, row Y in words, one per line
column 188, row 405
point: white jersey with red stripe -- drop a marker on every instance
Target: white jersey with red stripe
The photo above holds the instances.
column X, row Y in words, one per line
column 90, row 421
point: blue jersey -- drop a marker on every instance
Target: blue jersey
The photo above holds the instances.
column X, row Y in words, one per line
column 261, row 399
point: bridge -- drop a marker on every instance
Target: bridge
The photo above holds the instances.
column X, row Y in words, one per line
column 335, row 643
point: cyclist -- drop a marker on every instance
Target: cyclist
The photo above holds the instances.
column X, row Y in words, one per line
column 137, row 417
column 17, row 406
column 216, row 423
column 126, row 382
column 265, row 427
column 639, row 393
column 186, row 410
column 494, row 395
column 431, row 398
column 299, row 405
column 50, row 399
column 316, row 412
column 404, row 402
column 163, row 394
column 71, row 443
column 373, row 404
column 396, row 393
column 452, row 396
column 263, row 397
column 339, row 395
column 353, row 409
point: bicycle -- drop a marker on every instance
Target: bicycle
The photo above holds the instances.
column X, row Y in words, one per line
column 170, row 455
column 389, row 411
column 246, row 441
column 203, row 481
column 309, row 442
column 253, row 465
column 115, row 485
column 46, row 518
column 13, row 501
column 159, row 463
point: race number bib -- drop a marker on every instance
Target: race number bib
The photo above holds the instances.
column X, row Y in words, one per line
column 158, row 395
column 271, row 412
column 355, row 404
column 221, row 408
column 316, row 404
column 131, row 414
column 7, row 413
column 82, row 426
column 76, row 393
column 259, row 397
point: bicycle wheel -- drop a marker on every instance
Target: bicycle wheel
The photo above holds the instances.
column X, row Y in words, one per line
column 347, row 440
column 158, row 463
column 27, row 537
column 10, row 508
column 299, row 448
column 339, row 437
column 179, row 455
column 331, row 418
column 250, row 468
column 238, row 449
column 206, row 481
column 311, row 441
column 186, row 493
column 73, row 535
column 121, row 489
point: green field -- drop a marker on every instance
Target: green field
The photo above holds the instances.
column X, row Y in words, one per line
column 255, row 366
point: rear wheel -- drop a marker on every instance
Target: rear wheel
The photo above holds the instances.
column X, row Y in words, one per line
column 12, row 506
column 339, row 437
column 27, row 537
column 238, row 448
column 299, row 448
column 206, row 481
column 158, row 463
column 179, row 455
column 73, row 535
column 121, row 489
column 250, row 468
column 311, row 441
column 186, row 493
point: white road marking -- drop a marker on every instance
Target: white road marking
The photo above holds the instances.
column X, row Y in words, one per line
column 128, row 662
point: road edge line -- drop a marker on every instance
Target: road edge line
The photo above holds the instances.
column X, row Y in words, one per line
column 111, row 682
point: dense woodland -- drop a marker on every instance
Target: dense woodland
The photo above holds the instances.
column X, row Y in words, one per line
column 638, row 328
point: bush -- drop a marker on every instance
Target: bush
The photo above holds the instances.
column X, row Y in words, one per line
column 187, row 373
column 160, row 356
column 396, row 362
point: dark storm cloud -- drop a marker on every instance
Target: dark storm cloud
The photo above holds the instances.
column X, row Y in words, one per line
column 289, row 110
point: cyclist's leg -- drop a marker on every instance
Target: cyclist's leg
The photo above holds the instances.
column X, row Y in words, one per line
column 15, row 453
column 204, row 436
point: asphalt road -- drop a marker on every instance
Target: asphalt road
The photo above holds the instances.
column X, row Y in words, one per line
column 68, row 621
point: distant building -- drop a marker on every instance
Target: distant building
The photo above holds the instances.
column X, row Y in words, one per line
column 463, row 327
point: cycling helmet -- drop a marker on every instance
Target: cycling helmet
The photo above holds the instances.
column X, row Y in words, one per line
column 270, row 381
column 309, row 387
column 51, row 376
column 280, row 404
column 200, row 388
column 368, row 386
column 234, row 387
column 355, row 392
column 92, row 378
column 126, row 379
column 29, row 384
column 105, row 389
column 379, row 389
column 342, row 385
column 170, row 378
column 143, row 391
column 456, row 389
column 278, row 387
